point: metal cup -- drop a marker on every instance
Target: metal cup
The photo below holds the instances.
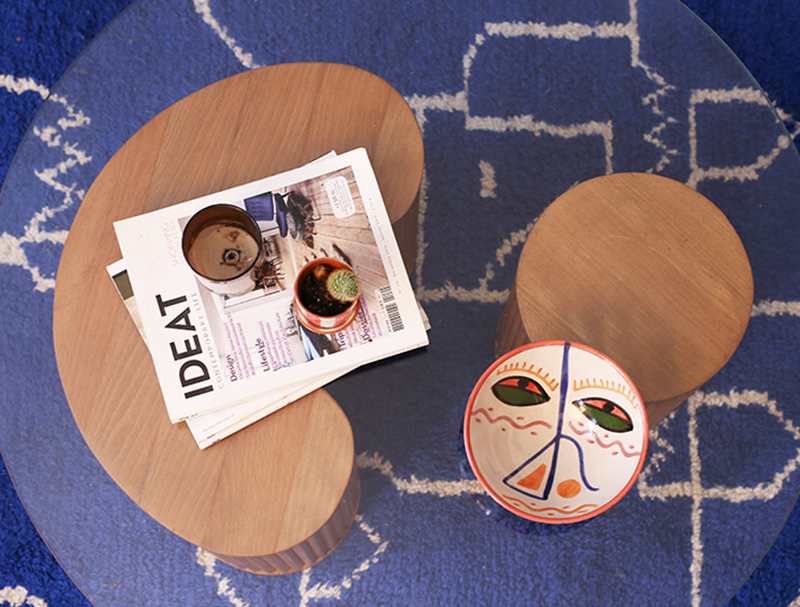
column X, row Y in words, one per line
column 223, row 246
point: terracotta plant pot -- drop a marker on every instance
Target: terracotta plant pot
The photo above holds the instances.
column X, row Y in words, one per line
column 311, row 317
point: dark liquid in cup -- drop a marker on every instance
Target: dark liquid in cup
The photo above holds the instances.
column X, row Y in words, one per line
column 222, row 251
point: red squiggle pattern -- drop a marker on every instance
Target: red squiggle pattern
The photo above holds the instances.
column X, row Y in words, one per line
column 550, row 511
column 506, row 418
column 615, row 443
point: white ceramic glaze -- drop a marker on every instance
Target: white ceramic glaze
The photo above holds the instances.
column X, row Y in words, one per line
column 556, row 432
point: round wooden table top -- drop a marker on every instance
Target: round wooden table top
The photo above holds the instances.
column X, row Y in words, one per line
column 644, row 269
column 278, row 481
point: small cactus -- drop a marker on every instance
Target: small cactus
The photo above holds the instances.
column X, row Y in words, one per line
column 343, row 285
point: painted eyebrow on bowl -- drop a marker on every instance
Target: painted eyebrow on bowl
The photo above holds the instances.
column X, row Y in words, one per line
column 535, row 370
column 617, row 387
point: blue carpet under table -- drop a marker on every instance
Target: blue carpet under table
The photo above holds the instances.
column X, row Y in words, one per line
column 414, row 45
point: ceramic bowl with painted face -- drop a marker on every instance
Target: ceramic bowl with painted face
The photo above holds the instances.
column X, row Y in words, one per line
column 556, row 432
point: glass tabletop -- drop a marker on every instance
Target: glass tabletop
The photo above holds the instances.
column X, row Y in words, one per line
column 518, row 101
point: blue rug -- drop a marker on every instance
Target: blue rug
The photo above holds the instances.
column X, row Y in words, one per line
column 654, row 91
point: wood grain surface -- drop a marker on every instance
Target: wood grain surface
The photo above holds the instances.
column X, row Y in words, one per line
column 642, row 268
column 276, row 483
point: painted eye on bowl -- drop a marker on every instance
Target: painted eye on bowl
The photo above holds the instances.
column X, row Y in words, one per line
column 605, row 413
column 519, row 391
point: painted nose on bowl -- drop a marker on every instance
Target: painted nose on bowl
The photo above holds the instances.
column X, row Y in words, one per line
column 568, row 488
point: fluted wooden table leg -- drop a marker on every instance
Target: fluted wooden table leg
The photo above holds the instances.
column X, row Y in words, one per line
column 312, row 549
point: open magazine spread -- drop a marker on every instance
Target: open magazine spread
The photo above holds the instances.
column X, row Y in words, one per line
column 226, row 361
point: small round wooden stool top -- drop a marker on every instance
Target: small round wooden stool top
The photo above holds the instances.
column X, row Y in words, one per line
column 274, row 484
column 644, row 269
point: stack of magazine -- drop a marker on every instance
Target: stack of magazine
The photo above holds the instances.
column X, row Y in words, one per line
column 224, row 362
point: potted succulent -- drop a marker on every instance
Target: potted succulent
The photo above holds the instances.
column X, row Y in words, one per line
column 326, row 295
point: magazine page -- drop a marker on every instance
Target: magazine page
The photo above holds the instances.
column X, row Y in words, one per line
column 119, row 275
column 215, row 350
column 212, row 427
